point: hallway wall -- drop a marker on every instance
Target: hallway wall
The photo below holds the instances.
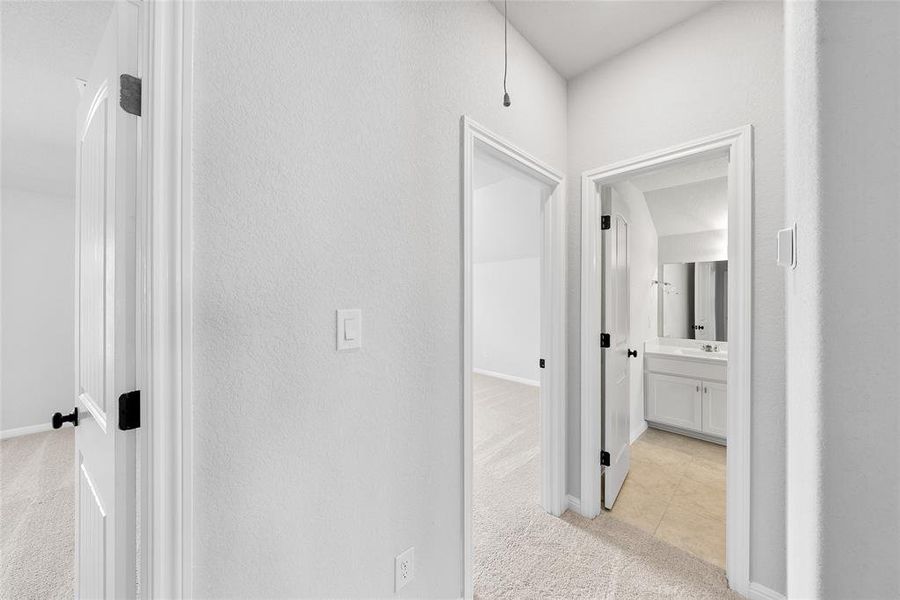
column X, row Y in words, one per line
column 720, row 70
column 326, row 176
column 843, row 185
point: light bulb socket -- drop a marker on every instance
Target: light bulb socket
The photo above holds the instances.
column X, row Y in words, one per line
column 506, row 101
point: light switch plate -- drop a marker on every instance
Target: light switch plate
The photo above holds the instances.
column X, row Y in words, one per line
column 349, row 329
column 787, row 247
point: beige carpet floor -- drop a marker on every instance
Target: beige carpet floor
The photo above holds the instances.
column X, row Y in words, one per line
column 37, row 516
column 522, row 552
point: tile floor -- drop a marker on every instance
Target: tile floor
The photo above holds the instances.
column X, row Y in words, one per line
column 676, row 490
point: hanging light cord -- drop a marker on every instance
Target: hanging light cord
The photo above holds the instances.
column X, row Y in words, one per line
column 506, row 101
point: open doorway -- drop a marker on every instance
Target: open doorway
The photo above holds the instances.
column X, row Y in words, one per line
column 513, row 325
column 48, row 49
column 665, row 347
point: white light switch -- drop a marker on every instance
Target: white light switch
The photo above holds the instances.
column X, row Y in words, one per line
column 787, row 250
column 349, row 329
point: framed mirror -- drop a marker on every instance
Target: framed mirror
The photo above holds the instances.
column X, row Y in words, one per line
column 694, row 299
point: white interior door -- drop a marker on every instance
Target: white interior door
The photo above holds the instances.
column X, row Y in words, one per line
column 106, row 167
column 616, row 320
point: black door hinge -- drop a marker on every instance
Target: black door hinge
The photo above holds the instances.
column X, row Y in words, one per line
column 541, row 363
column 605, row 222
column 604, row 340
column 130, row 94
column 604, row 458
column 130, row 410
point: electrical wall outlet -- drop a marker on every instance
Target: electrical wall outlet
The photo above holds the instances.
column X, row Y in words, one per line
column 404, row 568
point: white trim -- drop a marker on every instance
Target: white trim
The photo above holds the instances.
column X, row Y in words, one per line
column 553, row 326
column 739, row 143
column 639, row 432
column 760, row 592
column 513, row 378
column 166, row 271
column 573, row 503
column 28, row 430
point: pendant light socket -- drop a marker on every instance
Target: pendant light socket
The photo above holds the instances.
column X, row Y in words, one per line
column 506, row 101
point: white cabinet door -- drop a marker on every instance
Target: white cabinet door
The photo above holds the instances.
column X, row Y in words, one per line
column 674, row 401
column 715, row 402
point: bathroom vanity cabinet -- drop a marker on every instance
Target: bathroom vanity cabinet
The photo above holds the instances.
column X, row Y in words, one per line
column 685, row 392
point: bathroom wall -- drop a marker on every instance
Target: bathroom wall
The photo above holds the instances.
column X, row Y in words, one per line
column 643, row 267
column 720, row 70
column 335, row 184
column 506, row 294
column 702, row 246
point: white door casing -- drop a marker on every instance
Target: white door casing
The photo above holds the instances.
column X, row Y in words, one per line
column 738, row 144
column 106, row 190
column 553, row 324
column 616, row 317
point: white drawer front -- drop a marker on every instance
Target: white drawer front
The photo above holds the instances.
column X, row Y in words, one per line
column 685, row 368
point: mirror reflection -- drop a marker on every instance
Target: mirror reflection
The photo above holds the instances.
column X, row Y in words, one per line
column 695, row 300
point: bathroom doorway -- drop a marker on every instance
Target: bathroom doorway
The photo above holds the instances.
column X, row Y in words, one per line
column 666, row 347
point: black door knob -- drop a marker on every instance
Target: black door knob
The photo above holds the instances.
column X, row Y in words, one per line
column 59, row 419
column 632, row 353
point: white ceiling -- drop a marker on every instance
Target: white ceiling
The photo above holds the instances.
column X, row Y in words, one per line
column 689, row 208
column 45, row 46
column 682, row 174
column 576, row 35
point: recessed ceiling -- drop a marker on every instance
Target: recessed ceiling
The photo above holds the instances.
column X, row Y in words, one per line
column 574, row 36
column 45, row 46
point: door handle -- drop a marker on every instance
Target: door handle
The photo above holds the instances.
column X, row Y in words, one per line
column 59, row 419
column 632, row 353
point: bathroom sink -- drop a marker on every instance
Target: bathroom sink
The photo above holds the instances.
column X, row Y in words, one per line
column 700, row 353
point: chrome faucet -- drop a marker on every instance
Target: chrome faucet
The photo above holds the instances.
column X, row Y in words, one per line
column 709, row 348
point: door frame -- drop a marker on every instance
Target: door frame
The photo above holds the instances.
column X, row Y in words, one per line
column 739, row 143
column 164, row 239
column 553, row 326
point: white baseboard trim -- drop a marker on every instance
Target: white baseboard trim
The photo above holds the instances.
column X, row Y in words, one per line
column 760, row 592
column 639, row 432
column 513, row 378
column 573, row 503
column 11, row 433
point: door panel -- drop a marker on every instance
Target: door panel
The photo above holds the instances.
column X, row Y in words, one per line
column 674, row 401
column 106, row 191
column 616, row 318
column 715, row 403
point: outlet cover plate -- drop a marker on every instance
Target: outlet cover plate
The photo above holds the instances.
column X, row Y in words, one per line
column 404, row 568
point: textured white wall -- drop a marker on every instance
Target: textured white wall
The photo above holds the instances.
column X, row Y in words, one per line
column 326, row 174
column 38, row 307
column 717, row 71
column 506, row 315
column 843, row 123
column 506, row 294
column 694, row 247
